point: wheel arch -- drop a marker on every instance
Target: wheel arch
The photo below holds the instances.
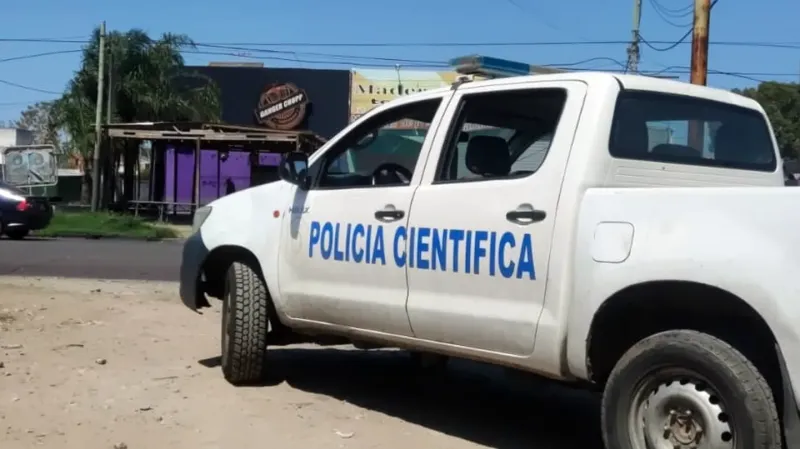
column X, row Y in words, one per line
column 216, row 265
column 655, row 306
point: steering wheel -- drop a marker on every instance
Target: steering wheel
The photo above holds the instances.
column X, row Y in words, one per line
column 395, row 173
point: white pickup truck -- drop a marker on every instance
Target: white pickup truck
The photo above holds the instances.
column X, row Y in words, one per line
column 623, row 232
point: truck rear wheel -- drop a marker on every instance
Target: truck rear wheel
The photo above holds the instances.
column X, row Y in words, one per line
column 245, row 323
column 686, row 389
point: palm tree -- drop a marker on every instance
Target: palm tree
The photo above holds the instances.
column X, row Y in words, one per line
column 149, row 82
column 74, row 114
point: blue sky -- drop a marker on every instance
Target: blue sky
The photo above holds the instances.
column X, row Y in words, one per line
column 376, row 21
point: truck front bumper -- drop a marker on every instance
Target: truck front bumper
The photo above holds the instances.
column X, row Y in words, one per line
column 194, row 255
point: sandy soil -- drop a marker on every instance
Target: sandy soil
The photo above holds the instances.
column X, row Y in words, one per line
column 90, row 364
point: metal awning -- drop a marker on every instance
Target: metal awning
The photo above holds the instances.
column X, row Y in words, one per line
column 209, row 132
column 200, row 134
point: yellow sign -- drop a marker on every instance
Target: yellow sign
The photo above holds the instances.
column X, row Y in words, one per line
column 370, row 88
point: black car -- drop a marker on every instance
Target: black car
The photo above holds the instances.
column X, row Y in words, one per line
column 20, row 214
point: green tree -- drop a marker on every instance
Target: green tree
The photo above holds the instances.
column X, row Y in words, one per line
column 149, row 82
column 38, row 118
column 781, row 101
column 74, row 114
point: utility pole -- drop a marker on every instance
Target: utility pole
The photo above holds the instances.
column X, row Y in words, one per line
column 633, row 48
column 699, row 65
column 108, row 160
column 110, row 83
column 98, row 118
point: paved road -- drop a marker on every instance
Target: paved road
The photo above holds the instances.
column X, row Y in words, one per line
column 100, row 259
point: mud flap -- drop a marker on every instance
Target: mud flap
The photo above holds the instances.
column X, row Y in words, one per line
column 791, row 415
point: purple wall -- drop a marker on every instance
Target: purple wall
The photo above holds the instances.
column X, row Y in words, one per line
column 213, row 173
column 184, row 159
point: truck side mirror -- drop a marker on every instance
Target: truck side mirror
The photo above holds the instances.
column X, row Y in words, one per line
column 294, row 169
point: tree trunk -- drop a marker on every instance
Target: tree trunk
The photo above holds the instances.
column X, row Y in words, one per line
column 129, row 164
column 158, row 168
column 86, row 187
column 107, row 166
column 85, row 164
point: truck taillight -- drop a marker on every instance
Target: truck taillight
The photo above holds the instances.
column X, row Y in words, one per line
column 23, row 206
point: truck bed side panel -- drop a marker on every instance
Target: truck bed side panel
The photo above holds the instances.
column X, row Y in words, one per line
column 743, row 240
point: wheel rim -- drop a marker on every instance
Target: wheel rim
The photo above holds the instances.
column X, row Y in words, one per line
column 679, row 410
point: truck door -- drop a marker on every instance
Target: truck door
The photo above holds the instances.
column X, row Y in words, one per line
column 336, row 264
column 482, row 219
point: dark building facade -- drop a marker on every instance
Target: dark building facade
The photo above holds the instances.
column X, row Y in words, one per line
column 281, row 99
column 327, row 94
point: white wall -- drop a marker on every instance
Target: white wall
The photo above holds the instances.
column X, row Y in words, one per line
column 10, row 137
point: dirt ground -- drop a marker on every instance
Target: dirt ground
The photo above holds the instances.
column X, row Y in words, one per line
column 90, row 364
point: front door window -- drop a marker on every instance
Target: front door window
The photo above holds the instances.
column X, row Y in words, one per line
column 383, row 151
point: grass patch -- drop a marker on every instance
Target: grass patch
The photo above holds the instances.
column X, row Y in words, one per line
column 103, row 224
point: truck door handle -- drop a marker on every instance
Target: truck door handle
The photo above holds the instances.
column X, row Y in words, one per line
column 525, row 216
column 389, row 213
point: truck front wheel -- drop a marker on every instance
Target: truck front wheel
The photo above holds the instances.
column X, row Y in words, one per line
column 686, row 389
column 245, row 323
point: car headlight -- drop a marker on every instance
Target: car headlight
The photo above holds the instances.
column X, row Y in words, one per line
column 200, row 216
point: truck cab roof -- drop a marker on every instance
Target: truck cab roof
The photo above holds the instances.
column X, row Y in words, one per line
column 633, row 82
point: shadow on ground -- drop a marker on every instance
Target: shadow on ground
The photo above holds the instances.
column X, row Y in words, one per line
column 469, row 401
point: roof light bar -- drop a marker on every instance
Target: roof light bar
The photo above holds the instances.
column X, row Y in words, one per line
column 495, row 67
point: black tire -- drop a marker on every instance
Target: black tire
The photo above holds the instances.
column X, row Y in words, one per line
column 698, row 365
column 245, row 324
column 430, row 363
column 17, row 234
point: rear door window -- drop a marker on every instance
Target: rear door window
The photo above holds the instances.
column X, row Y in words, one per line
column 679, row 129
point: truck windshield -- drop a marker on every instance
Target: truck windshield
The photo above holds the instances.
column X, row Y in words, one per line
column 678, row 129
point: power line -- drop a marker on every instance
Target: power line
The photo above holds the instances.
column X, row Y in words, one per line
column 23, row 103
column 566, row 66
column 46, row 40
column 683, row 70
column 270, row 55
column 668, row 15
column 384, row 65
column 434, row 65
column 586, row 61
column 539, row 17
column 324, row 55
column 39, row 55
column 415, row 62
column 679, row 12
column 758, row 44
column 353, row 60
column 673, row 70
column 682, row 40
column 783, row 45
column 32, row 89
